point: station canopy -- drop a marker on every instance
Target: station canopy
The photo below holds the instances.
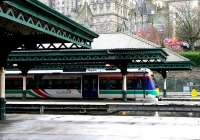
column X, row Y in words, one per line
column 29, row 24
column 121, row 40
column 109, row 51
column 174, row 61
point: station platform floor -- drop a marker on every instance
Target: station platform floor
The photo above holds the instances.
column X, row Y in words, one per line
column 89, row 127
column 164, row 101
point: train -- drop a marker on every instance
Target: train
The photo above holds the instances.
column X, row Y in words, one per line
column 87, row 85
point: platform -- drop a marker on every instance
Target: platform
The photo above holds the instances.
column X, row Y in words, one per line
column 87, row 127
column 98, row 107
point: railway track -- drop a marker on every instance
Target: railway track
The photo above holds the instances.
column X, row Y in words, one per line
column 104, row 108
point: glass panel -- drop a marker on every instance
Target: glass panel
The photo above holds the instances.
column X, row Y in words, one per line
column 110, row 84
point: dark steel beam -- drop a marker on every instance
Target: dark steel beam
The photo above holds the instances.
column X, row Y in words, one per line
column 30, row 17
column 114, row 56
column 153, row 59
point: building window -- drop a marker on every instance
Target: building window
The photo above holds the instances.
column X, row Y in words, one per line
column 108, row 5
column 94, row 7
column 101, row 6
column 92, row 1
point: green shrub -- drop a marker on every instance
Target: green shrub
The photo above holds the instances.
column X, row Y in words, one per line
column 194, row 56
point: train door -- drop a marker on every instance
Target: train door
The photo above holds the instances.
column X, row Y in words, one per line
column 90, row 86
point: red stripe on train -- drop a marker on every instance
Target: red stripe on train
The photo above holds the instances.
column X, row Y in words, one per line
column 39, row 92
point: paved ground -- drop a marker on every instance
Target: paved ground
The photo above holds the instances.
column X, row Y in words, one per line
column 77, row 127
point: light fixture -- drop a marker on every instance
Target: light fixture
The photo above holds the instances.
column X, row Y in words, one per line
column 15, row 65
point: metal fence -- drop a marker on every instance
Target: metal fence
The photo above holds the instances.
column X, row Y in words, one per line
column 175, row 84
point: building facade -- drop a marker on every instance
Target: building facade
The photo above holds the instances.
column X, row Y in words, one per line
column 102, row 16
column 128, row 16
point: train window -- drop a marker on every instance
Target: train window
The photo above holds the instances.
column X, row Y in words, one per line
column 59, row 84
column 17, row 83
column 142, row 83
column 13, row 84
column 110, row 84
column 136, row 84
column 54, row 84
column 42, row 84
column 130, row 84
column 30, row 83
column 73, row 84
column 149, row 84
column 65, row 83
column 48, row 84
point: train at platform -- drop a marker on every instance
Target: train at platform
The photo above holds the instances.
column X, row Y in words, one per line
column 88, row 85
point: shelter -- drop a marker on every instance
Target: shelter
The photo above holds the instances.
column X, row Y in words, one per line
column 121, row 40
column 109, row 51
column 28, row 24
column 174, row 61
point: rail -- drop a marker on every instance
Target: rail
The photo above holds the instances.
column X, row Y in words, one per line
column 104, row 108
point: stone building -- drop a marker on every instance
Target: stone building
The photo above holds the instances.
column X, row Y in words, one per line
column 128, row 16
column 104, row 16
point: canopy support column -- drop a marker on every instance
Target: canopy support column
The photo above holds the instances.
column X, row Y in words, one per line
column 24, row 87
column 124, row 72
column 24, row 70
column 10, row 44
column 2, row 94
column 124, row 87
column 164, row 75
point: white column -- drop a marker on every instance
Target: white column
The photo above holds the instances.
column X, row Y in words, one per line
column 24, row 83
column 165, row 84
column 24, row 87
column 2, row 94
column 165, row 87
column 2, row 82
column 124, row 84
column 124, row 88
column 81, row 86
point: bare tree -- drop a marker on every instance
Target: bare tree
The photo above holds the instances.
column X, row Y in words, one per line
column 150, row 33
column 188, row 24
